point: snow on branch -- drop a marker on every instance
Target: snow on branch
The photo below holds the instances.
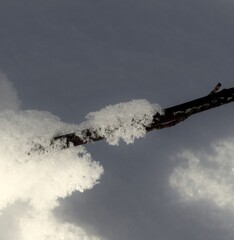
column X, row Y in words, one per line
column 132, row 120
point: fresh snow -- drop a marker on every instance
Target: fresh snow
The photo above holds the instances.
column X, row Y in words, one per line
column 126, row 121
column 40, row 179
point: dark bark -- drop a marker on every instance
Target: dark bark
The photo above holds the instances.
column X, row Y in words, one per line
column 171, row 116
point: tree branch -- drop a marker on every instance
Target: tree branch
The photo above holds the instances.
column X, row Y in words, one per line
column 171, row 116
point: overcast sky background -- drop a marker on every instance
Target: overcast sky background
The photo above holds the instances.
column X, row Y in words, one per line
column 73, row 57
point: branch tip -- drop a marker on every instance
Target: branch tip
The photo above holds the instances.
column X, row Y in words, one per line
column 216, row 89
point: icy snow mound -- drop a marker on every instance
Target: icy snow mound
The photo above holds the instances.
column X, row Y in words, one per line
column 40, row 179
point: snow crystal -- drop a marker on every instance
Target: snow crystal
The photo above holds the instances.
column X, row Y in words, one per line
column 126, row 121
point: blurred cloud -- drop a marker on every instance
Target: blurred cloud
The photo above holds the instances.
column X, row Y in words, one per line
column 44, row 226
column 207, row 175
column 8, row 95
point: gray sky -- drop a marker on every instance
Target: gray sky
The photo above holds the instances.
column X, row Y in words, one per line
column 72, row 57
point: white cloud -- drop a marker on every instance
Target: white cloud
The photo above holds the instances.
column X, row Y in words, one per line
column 207, row 176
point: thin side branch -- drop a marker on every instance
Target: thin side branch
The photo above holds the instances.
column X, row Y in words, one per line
column 216, row 89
